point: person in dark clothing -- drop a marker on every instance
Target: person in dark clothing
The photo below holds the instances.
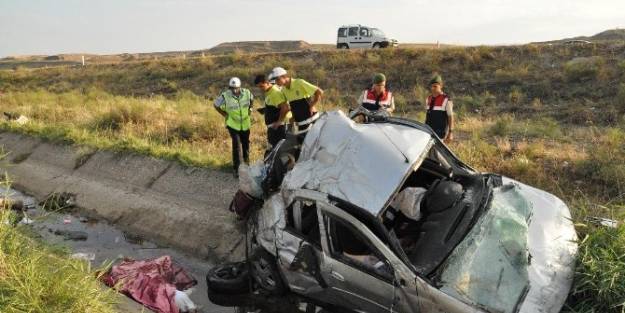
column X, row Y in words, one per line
column 440, row 114
column 276, row 110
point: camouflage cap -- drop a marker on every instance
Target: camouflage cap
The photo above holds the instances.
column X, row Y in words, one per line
column 436, row 79
column 379, row 78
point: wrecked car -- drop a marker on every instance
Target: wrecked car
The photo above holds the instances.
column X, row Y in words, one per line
column 382, row 217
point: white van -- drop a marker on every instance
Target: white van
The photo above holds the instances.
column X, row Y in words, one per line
column 360, row 36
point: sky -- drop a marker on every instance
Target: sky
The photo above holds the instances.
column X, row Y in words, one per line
column 117, row 26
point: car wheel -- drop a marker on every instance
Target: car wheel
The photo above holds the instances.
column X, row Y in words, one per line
column 376, row 46
column 344, row 46
column 266, row 274
column 229, row 278
column 247, row 309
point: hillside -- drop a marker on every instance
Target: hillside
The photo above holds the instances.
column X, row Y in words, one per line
column 614, row 35
column 490, row 80
column 260, row 46
column 552, row 116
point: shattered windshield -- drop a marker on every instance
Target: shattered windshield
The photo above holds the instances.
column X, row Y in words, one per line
column 489, row 267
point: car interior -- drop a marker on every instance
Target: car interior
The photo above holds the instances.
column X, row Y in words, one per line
column 448, row 210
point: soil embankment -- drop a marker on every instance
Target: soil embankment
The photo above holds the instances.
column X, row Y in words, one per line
column 161, row 200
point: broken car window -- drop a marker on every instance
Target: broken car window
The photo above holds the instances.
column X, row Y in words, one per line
column 302, row 220
column 349, row 246
column 489, row 267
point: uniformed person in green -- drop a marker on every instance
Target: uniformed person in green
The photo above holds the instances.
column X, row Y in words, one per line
column 276, row 110
column 440, row 110
column 302, row 97
column 235, row 104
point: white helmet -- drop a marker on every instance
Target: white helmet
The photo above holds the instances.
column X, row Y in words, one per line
column 234, row 82
column 277, row 72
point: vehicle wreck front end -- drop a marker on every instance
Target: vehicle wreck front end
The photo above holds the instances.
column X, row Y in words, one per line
column 502, row 247
column 520, row 257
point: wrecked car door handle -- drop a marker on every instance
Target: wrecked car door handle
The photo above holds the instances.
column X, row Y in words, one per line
column 337, row 276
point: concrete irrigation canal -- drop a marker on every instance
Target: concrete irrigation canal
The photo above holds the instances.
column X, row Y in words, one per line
column 128, row 206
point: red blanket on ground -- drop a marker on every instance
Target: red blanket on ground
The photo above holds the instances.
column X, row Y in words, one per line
column 152, row 283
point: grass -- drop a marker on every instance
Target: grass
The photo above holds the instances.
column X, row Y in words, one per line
column 186, row 128
column 39, row 279
column 524, row 111
column 599, row 286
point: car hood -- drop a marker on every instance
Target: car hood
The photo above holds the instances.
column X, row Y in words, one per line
column 553, row 247
column 363, row 164
column 519, row 256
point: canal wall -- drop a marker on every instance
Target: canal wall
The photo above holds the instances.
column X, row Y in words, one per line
column 174, row 205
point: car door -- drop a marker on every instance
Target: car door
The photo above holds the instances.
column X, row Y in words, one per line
column 365, row 39
column 353, row 37
column 358, row 274
column 299, row 250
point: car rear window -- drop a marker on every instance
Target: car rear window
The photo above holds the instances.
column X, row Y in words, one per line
column 342, row 32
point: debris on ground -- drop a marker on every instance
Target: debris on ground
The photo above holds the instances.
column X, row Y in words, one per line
column 16, row 117
column 63, row 201
column 134, row 239
column 72, row 235
column 26, row 221
column 14, row 205
column 152, row 282
column 601, row 221
column 86, row 256
column 183, row 302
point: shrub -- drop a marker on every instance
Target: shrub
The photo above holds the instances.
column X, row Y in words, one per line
column 544, row 127
column 516, row 96
column 584, row 69
column 620, row 97
column 420, row 94
column 517, row 73
column 474, row 104
column 502, row 126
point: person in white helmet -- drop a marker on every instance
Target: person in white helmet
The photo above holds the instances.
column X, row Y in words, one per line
column 235, row 105
column 302, row 97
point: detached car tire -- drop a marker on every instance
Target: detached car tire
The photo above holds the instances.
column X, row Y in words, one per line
column 229, row 278
column 266, row 274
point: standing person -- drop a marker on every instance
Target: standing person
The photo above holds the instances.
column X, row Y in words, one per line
column 276, row 110
column 377, row 97
column 302, row 97
column 440, row 114
column 235, row 104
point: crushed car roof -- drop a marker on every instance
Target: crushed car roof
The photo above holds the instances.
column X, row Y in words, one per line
column 363, row 164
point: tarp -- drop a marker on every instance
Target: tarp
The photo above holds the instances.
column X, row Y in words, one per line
column 152, row 282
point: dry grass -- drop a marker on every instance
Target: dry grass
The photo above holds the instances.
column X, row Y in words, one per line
column 525, row 112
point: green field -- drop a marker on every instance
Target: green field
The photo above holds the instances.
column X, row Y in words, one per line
column 551, row 116
column 36, row 278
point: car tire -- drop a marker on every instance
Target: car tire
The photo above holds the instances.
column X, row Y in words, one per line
column 264, row 271
column 229, row 278
column 247, row 309
column 376, row 46
column 344, row 46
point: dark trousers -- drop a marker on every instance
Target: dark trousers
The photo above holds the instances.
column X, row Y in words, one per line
column 440, row 132
column 275, row 135
column 240, row 140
